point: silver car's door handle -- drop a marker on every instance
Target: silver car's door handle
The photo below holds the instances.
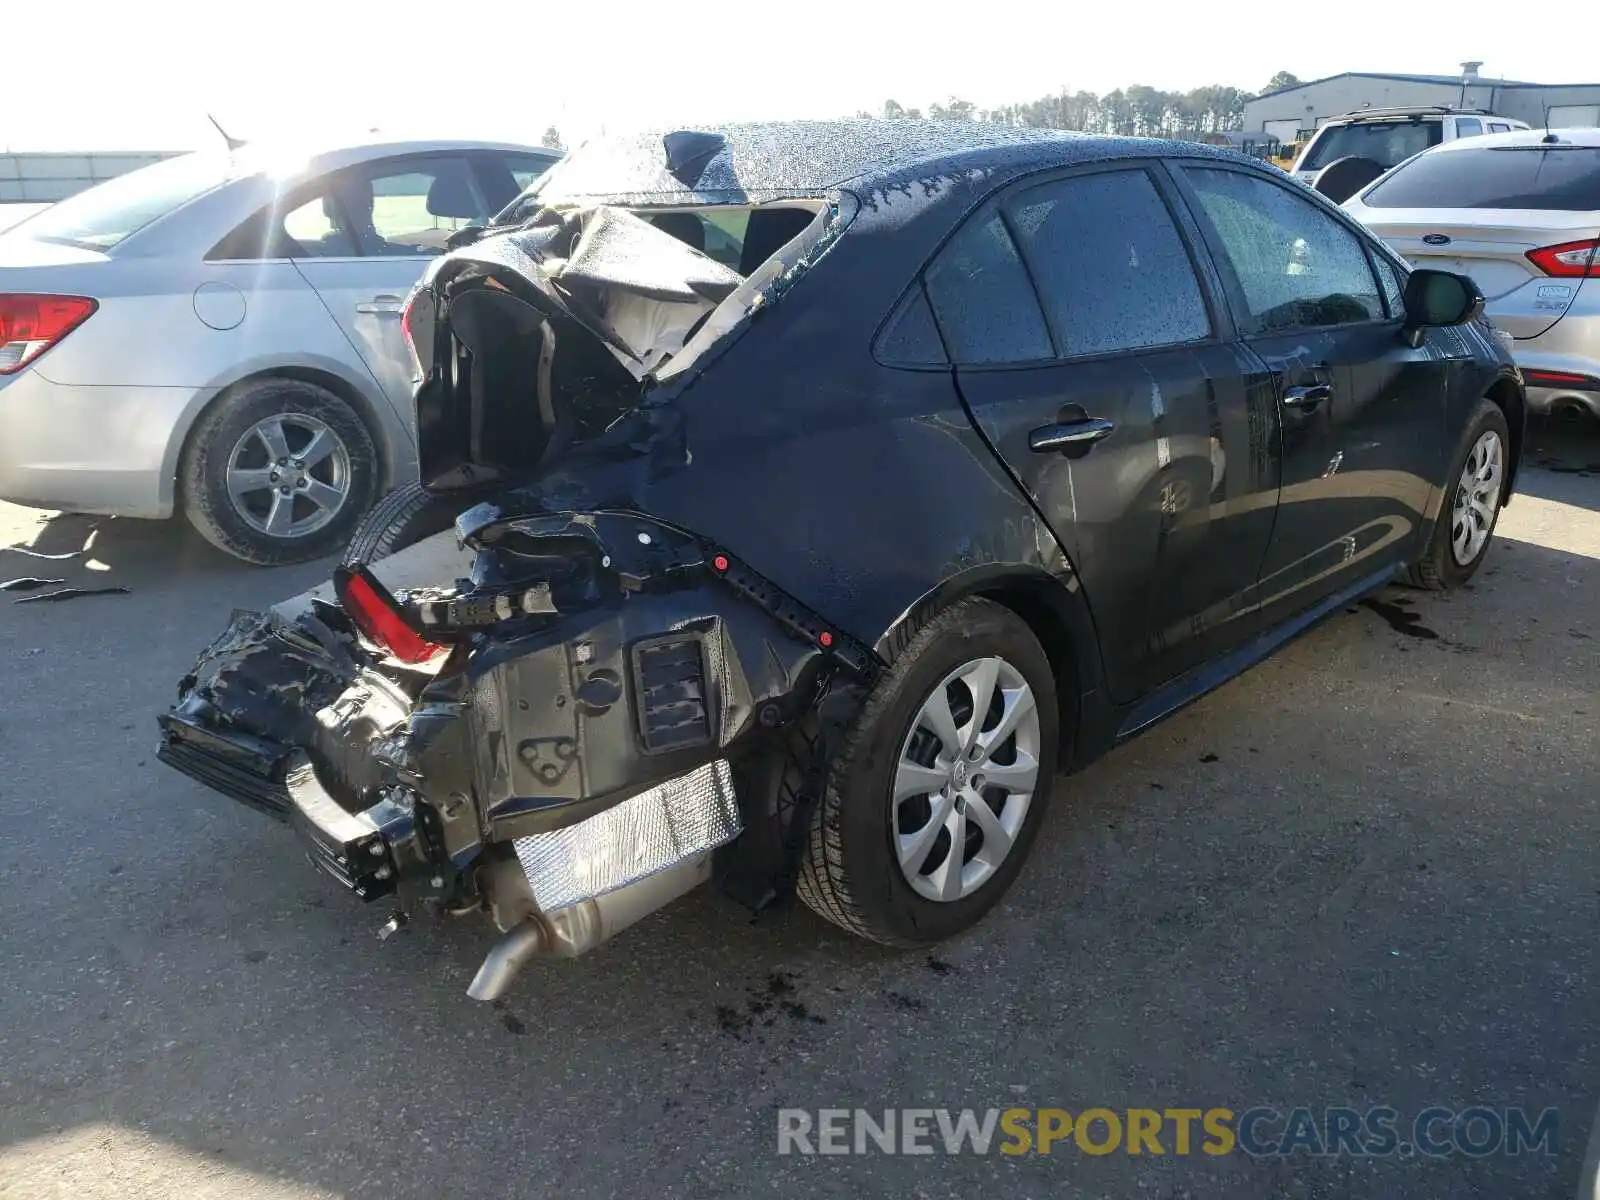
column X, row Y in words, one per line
column 382, row 304
column 1065, row 436
column 1307, row 397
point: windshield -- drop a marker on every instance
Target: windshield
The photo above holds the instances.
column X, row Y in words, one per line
column 1386, row 143
column 1564, row 178
column 109, row 212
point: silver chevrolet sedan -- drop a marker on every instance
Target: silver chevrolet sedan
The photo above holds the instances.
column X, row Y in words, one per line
column 221, row 334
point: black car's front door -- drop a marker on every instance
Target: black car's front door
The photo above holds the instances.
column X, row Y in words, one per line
column 1362, row 411
column 1088, row 354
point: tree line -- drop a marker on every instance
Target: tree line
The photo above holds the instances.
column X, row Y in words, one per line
column 1137, row 110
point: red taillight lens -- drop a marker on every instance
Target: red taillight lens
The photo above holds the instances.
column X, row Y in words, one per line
column 1570, row 260
column 374, row 612
column 30, row 325
column 405, row 328
column 1560, row 379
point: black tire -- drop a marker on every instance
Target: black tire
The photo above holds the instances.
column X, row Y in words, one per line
column 1438, row 569
column 202, row 473
column 849, row 871
column 1344, row 177
column 402, row 518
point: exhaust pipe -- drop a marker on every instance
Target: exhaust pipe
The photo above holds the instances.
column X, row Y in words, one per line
column 579, row 928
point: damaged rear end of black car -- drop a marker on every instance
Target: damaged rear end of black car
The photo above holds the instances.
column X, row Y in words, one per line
column 582, row 699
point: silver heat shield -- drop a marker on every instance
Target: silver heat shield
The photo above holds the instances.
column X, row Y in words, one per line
column 679, row 819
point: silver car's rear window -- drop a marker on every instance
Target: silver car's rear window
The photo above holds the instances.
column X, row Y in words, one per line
column 1564, row 178
column 108, row 213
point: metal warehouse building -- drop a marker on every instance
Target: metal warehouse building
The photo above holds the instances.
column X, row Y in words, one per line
column 46, row 178
column 1288, row 113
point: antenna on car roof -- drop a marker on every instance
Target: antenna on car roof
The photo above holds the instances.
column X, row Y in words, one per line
column 1548, row 138
column 233, row 142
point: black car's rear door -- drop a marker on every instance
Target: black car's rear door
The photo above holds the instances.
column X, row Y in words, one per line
column 1103, row 372
column 1361, row 409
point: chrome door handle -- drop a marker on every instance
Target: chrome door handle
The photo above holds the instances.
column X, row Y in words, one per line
column 1065, row 436
column 1307, row 397
column 382, row 304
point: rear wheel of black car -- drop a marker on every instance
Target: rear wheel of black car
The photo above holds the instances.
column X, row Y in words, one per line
column 1476, row 490
column 937, row 794
column 402, row 518
column 278, row 471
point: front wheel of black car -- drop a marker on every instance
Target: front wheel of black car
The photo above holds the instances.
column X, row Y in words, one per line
column 938, row 791
column 1476, row 490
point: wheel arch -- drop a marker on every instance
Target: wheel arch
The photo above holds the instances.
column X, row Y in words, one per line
column 1052, row 606
column 1508, row 395
column 388, row 437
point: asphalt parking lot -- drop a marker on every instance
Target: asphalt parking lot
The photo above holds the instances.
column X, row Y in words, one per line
column 1363, row 874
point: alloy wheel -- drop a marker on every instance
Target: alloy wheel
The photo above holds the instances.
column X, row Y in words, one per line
column 965, row 779
column 1477, row 498
column 288, row 475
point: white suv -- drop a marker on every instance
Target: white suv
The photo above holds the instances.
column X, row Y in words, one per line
column 1386, row 137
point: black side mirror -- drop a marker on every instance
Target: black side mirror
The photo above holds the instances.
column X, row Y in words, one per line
column 1434, row 298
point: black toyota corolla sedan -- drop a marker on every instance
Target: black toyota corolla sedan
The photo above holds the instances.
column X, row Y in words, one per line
column 798, row 501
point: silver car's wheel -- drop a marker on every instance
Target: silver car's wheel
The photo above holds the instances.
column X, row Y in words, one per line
column 288, row 475
column 278, row 471
column 1477, row 498
column 965, row 779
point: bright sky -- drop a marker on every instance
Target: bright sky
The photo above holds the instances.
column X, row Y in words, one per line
column 143, row 75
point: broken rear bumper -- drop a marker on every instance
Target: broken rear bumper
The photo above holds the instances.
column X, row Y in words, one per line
column 560, row 752
column 250, row 769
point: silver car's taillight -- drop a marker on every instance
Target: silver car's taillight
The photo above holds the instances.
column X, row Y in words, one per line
column 31, row 324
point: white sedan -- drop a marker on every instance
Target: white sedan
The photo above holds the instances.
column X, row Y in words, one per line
column 1520, row 213
column 220, row 334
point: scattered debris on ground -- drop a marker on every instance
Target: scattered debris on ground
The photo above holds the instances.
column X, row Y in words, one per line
column 72, row 593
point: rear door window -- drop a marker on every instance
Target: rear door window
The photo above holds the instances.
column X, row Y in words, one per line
column 1499, row 127
column 1109, row 264
column 982, row 296
column 1468, row 127
column 1560, row 177
column 1295, row 266
column 409, row 208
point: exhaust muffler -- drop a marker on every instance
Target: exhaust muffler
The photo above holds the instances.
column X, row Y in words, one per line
column 579, row 928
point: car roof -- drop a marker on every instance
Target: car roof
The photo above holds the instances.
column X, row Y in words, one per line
column 1410, row 110
column 815, row 158
column 330, row 154
column 1520, row 137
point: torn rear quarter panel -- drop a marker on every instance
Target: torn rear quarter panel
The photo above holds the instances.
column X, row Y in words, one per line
column 537, row 339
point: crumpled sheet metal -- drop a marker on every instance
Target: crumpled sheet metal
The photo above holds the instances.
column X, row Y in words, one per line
column 656, row 829
column 618, row 249
column 634, row 286
column 267, row 678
